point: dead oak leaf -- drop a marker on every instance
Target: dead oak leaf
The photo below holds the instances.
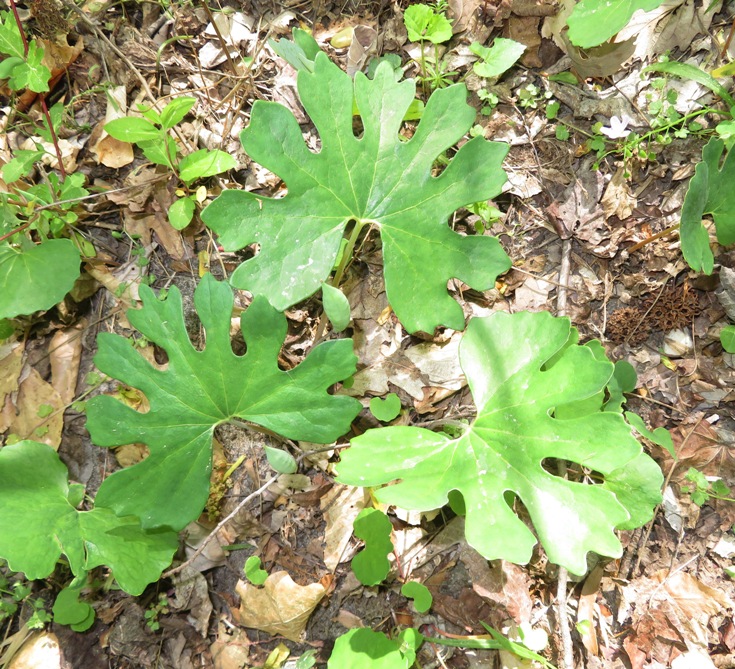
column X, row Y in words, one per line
column 280, row 607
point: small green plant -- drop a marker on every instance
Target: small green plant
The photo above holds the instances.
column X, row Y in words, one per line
column 385, row 410
column 530, row 96
column 155, row 611
column 705, row 488
column 253, row 572
column 69, row 610
column 38, row 264
column 420, row 595
column 428, row 23
column 22, row 66
column 152, row 133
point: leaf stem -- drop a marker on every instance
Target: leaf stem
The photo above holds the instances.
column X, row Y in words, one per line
column 347, row 253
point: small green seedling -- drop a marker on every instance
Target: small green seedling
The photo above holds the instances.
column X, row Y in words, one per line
column 151, row 132
column 154, row 612
column 428, row 23
column 371, row 564
column 253, row 572
column 385, row 410
column 425, row 23
column 420, row 595
column 704, row 488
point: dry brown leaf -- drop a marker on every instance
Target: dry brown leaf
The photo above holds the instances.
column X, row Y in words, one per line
column 618, row 200
column 340, row 507
column 672, row 614
column 40, row 651
column 65, row 354
column 231, row 649
column 279, row 607
column 192, row 595
column 21, row 417
column 362, row 49
column 11, row 363
column 505, row 585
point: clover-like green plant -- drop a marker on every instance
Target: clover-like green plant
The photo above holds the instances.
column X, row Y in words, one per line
column 377, row 180
column 524, row 370
column 39, row 522
column 201, row 389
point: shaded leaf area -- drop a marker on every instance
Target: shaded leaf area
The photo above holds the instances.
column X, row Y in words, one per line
column 39, row 524
column 517, row 391
column 595, row 21
column 360, row 648
column 201, row 389
column 376, row 179
column 709, row 194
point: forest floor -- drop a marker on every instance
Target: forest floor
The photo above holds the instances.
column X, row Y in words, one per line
column 581, row 229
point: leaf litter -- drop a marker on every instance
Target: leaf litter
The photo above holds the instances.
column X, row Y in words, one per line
column 670, row 616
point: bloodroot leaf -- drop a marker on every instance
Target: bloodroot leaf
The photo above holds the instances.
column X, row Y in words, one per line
column 376, row 180
column 38, row 524
column 371, row 564
column 420, row 594
column 504, row 455
column 37, row 277
column 595, row 21
column 203, row 388
column 709, row 193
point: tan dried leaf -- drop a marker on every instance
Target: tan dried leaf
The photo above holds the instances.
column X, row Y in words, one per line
column 279, row 607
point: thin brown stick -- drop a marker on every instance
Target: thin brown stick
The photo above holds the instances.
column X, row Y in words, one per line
column 567, row 655
column 240, row 505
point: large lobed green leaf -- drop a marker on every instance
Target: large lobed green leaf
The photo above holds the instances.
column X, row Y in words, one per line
column 376, row 179
column 38, row 523
column 595, row 21
column 709, row 193
column 201, row 389
column 521, row 368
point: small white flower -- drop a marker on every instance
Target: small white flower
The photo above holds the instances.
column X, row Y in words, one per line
column 618, row 127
